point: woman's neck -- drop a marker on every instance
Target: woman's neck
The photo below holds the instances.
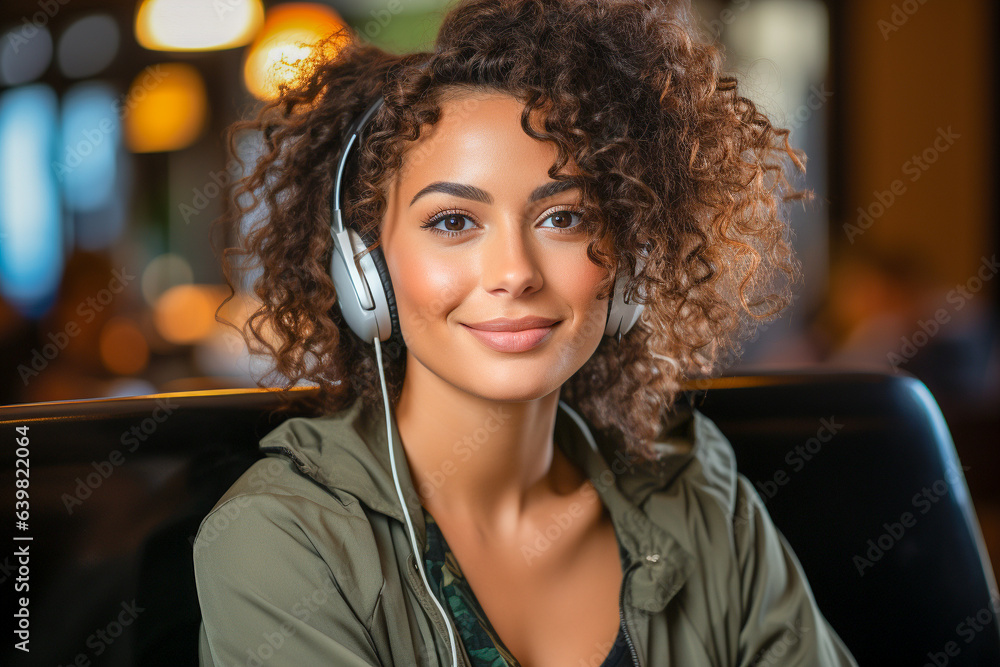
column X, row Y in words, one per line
column 486, row 464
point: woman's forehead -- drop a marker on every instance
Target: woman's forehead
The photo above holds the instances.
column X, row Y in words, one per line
column 477, row 140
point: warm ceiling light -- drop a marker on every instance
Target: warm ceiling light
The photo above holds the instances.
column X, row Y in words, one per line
column 289, row 34
column 166, row 108
column 197, row 25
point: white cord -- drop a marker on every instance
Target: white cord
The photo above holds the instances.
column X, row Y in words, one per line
column 418, row 556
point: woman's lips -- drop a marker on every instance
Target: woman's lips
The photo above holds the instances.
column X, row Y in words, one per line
column 512, row 341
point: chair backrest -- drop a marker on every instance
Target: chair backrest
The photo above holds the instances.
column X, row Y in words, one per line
column 118, row 488
column 858, row 472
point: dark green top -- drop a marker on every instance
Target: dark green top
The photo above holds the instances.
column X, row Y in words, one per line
column 482, row 643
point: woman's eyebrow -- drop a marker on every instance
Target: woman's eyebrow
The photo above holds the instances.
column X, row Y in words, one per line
column 477, row 194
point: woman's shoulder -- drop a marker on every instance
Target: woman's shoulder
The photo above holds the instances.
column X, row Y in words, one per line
column 271, row 552
column 715, row 470
column 270, row 491
column 271, row 476
column 698, row 470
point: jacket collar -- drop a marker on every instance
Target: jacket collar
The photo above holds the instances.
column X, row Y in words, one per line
column 347, row 453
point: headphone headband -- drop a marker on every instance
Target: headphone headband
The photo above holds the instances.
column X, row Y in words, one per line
column 352, row 137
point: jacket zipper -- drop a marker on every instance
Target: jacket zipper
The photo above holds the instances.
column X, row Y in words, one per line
column 621, row 613
column 424, row 602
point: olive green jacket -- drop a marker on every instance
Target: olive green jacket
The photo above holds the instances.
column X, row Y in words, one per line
column 306, row 560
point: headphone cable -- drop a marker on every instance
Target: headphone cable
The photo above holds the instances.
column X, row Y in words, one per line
column 418, row 557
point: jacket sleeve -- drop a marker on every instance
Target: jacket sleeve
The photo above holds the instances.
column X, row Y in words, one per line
column 781, row 623
column 266, row 596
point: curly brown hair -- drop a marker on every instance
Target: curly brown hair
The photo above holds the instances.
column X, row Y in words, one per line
column 667, row 154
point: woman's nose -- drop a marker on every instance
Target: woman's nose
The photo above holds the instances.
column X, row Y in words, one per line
column 510, row 259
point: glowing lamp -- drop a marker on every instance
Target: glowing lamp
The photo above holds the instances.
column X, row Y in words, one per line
column 197, row 25
column 165, row 109
column 290, row 34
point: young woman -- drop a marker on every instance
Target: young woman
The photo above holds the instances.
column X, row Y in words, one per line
column 498, row 262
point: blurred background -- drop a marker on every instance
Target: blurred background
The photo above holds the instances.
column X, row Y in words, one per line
column 112, row 168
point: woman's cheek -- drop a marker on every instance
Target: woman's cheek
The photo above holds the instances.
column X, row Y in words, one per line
column 580, row 279
column 428, row 290
column 581, row 289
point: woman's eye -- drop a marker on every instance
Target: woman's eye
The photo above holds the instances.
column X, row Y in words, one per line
column 563, row 220
column 453, row 223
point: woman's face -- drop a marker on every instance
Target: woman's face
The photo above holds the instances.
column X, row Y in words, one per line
column 472, row 233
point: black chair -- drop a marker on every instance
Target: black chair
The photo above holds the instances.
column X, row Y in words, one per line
column 857, row 470
column 860, row 474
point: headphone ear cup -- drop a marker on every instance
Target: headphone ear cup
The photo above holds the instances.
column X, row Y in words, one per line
column 622, row 315
column 360, row 290
column 378, row 259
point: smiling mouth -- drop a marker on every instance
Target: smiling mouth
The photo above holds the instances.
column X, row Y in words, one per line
column 512, row 341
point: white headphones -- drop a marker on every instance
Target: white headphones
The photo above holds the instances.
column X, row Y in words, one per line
column 364, row 290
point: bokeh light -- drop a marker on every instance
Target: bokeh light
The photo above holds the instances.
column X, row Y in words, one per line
column 88, row 46
column 197, row 25
column 167, row 109
column 163, row 272
column 31, row 230
column 123, row 348
column 289, row 35
column 25, row 53
column 186, row 313
column 90, row 137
